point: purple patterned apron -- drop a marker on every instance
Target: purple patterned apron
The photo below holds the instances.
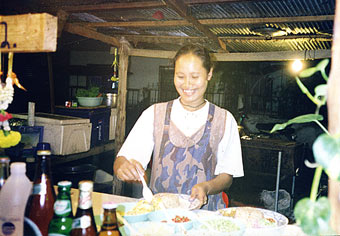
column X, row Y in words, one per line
column 185, row 161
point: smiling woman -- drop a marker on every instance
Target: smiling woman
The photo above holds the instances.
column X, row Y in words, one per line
column 195, row 143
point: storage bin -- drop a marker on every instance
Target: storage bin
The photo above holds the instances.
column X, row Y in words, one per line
column 99, row 118
column 66, row 134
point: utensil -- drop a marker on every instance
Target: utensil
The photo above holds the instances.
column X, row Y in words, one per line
column 147, row 193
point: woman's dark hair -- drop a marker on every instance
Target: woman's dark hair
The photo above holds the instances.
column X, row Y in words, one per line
column 198, row 51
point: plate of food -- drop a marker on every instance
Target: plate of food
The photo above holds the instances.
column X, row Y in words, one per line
column 174, row 200
column 178, row 218
column 258, row 221
column 216, row 225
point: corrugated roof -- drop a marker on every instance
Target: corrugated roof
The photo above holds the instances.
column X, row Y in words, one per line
column 243, row 26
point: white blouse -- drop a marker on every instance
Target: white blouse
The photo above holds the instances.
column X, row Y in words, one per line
column 139, row 143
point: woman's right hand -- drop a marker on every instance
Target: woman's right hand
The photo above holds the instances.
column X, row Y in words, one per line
column 126, row 170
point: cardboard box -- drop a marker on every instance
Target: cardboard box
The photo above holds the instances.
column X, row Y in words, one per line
column 66, row 134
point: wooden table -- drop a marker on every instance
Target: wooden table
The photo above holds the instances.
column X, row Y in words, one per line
column 97, row 200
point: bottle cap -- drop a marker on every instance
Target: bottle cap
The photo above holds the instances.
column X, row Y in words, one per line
column 43, row 146
column 18, row 167
column 65, row 183
column 86, row 185
column 4, row 160
column 109, row 205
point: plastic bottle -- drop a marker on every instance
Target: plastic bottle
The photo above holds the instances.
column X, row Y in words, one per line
column 41, row 202
column 110, row 225
column 83, row 222
column 13, row 199
column 4, row 170
column 61, row 224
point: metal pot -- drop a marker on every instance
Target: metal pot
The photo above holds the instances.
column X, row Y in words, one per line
column 111, row 99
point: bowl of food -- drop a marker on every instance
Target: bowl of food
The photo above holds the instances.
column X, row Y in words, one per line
column 174, row 200
column 217, row 225
column 258, row 221
column 135, row 211
column 180, row 219
column 147, row 228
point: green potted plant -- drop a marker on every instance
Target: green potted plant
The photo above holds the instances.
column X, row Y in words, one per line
column 89, row 97
column 313, row 214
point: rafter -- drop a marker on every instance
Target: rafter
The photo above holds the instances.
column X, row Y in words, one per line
column 90, row 33
column 182, row 10
column 171, row 23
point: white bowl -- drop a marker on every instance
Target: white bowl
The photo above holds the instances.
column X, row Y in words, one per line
column 160, row 216
column 124, row 208
column 257, row 226
column 216, row 225
column 90, row 101
column 148, row 228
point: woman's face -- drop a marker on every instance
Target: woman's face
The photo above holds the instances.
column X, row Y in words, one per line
column 191, row 79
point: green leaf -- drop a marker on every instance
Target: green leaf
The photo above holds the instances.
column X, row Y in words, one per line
column 313, row 217
column 326, row 150
column 308, row 72
column 321, row 66
column 299, row 119
column 321, row 90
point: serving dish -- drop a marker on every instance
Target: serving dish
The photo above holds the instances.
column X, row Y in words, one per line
column 258, row 221
column 179, row 218
column 174, row 200
column 148, row 228
column 126, row 211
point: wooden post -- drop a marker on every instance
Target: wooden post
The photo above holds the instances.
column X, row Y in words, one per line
column 333, row 105
column 121, row 104
column 51, row 82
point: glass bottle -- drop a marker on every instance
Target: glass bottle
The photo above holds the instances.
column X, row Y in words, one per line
column 110, row 225
column 41, row 201
column 83, row 222
column 4, row 170
column 61, row 223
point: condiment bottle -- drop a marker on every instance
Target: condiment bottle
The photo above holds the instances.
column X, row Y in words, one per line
column 61, row 224
column 41, row 201
column 83, row 223
column 13, row 199
column 110, row 225
column 4, row 170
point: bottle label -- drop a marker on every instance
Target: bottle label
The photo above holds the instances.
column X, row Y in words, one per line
column 39, row 189
column 85, row 201
column 8, row 228
column 82, row 222
column 62, row 207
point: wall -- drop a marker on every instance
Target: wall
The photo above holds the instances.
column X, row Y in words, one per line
column 142, row 72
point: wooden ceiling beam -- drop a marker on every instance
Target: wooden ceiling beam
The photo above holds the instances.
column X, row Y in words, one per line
column 258, row 56
column 134, row 5
column 183, row 40
column 90, row 33
column 182, row 10
column 113, row 6
column 171, row 23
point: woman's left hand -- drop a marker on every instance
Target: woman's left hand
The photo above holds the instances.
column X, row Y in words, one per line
column 200, row 192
